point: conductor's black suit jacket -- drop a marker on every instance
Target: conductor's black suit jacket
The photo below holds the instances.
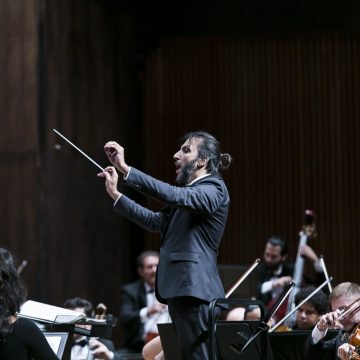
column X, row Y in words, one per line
column 191, row 226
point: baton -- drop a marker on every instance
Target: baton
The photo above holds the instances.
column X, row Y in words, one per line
column 80, row 151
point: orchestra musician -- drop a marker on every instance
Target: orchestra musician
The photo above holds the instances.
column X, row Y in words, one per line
column 191, row 226
column 83, row 347
column 140, row 312
column 274, row 272
column 308, row 314
column 342, row 296
column 20, row 338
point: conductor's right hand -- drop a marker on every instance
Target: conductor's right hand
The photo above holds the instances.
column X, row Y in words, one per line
column 111, row 180
column 116, row 155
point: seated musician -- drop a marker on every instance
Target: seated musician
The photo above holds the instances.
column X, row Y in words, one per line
column 308, row 314
column 20, row 338
column 83, row 347
column 274, row 272
column 140, row 311
column 341, row 297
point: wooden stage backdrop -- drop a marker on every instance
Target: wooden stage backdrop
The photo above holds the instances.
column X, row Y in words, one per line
column 285, row 104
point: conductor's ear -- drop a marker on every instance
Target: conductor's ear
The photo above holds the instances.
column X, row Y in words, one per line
column 202, row 162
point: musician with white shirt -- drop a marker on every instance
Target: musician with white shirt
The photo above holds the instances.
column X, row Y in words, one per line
column 140, row 311
column 341, row 298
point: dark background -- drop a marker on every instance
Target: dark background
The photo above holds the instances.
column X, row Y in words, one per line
column 277, row 82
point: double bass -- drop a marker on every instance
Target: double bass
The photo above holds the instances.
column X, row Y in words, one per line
column 308, row 232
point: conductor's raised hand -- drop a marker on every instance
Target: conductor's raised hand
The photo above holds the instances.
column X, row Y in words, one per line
column 111, row 181
column 116, row 155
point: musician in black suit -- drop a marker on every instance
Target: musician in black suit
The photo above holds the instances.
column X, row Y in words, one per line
column 341, row 297
column 82, row 347
column 274, row 272
column 191, row 226
column 140, row 311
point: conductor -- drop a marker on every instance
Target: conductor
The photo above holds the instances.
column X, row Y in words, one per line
column 191, row 226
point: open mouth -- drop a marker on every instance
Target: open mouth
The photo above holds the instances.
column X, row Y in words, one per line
column 177, row 165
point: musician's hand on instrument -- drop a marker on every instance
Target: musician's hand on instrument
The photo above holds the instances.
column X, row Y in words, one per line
column 100, row 351
column 271, row 322
column 116, row 155
column 156, row 308
column 345, row 352
column 328, row 320
column 309, row 253
column 111, row 180
column 281, row 281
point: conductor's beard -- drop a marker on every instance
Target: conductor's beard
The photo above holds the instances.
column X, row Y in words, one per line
column 186, row 172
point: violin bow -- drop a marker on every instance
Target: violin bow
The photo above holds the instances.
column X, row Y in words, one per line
column 300, row 304
column 242, row 278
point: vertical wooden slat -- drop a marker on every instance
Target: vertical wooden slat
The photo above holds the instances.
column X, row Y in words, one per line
column 286, row 106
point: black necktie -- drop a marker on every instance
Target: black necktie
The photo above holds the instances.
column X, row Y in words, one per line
column 150, row 291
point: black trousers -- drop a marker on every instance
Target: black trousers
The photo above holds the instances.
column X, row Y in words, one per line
column 190, row 318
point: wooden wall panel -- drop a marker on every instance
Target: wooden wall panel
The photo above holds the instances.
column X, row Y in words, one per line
column 18, row 131
column 286, row 107
column 18, row 60
column 71, row 66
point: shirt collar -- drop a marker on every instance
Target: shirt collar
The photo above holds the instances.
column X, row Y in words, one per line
column 197, row 179
column 148, row 288
column 279, row 270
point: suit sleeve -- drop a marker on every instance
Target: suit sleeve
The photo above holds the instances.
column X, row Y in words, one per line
column 141, row 216
column 204, row 197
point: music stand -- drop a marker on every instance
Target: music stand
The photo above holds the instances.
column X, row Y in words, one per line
column 59, row 337
column 231, row 336
column 290, row 345
column 57, row 342
column 257, row 337
column 54, row 330
column 227, row 338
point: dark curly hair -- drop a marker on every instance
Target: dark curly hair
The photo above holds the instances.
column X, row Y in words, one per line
column 319, row 301
column 77, row 302
column 12, row 291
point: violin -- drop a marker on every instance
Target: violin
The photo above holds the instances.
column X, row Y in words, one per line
column 354, row 337
column 354, row 340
